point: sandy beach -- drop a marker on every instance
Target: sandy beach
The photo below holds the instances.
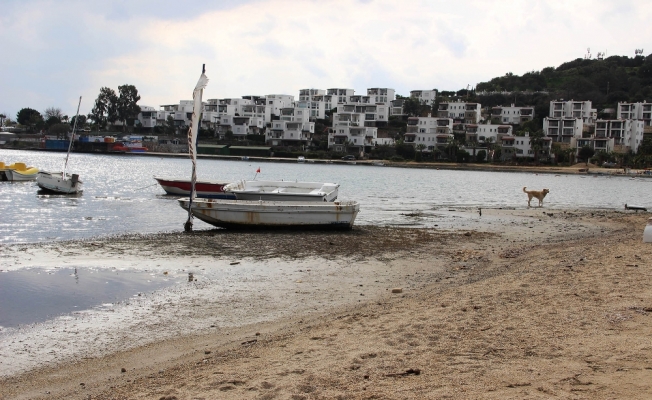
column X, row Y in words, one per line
column 514, row 303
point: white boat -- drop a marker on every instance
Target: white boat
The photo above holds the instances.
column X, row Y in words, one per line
column 21, row 173
column 17, row 172
column 301, row 159
column 283, row 191
column 273, row 214
column 57, row 183
column 62, row 182
column 258, row 213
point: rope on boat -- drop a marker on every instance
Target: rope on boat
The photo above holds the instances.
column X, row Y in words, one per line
column 145, row 187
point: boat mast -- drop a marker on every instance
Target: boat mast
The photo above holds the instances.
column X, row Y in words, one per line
column 72, row 138
column 193, row 133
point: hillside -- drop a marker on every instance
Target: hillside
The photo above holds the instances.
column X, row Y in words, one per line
column 605, row 82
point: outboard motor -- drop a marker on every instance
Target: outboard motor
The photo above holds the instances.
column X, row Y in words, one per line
column 74, row 179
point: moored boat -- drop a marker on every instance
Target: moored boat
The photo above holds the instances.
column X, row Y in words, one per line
column 56, row 182
column 273, row 214
column 283, row 190
column 19, row 172
column 204, row 189
column 62, row 182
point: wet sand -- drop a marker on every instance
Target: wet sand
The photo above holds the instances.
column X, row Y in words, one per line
column 531, row 303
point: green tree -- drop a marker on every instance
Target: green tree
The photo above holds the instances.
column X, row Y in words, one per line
column 24, row 116
column 127, row 109
column 585, row 153
column 482, row 154
column 80, row 123
column 536, row 143
column 60, row 130
column 170, row 129
column 105, row 109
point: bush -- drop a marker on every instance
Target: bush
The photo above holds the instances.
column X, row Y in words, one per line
column 480, row 156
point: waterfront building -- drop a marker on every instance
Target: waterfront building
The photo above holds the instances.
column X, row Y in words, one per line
column 429, row 131
column 513, row 147
column 276, row 102
column 293, row 128
column 512, row 114
column 309, row 94
column 341, row 94
column 565, row 130
column 487, row 133
column 468, row 113
column 381, row 96
column 426, row 97
column 573, row 109
column 641, row 111
column 618, row 135
column 396, row 107
column 147, row 118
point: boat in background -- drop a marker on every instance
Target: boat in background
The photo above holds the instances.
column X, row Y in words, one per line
column 17, row 172
column 129, row 147
column 283, row 191
column 204, row 189
column 301, row 159
column 273, row 214
column 62, row 182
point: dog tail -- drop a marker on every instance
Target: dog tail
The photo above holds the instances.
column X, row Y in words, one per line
column 524, row 189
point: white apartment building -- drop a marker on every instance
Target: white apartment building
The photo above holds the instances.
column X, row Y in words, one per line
column 521, row 147
column 429, row 131
column 341, row 94
column 641, row 111
column 427, row 97
column 381, row 95
column 276, row 102
column 315, row 109
column 182, row 113
column 309, row 94
column 563, row 129
column 573, row 109
column 484, row 133
column 384, row 138
column 354, row 139
column 396, row 107
column 292, row 129
column 469, row 113
column 329, row 100
column 239, row 126
column 147, row 117
column 361, row 114
column 512, row 114
column 354, row 126
column 626, row 134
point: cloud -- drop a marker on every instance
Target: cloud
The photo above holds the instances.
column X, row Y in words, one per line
column 260, row 47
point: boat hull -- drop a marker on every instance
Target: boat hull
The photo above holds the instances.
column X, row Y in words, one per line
column 274, row 214
column 19, row 176
column 203, row 189
column 55, row 182
column 283, row 191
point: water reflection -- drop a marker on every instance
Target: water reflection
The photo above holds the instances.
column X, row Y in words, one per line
column 121, row 196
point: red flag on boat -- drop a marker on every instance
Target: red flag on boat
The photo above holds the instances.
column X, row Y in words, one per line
column 258, row 170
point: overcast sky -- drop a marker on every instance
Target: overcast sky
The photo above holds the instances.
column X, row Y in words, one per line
column 55, row 51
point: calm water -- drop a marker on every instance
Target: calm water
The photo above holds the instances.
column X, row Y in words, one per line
column 34, row 294
column 120, row 195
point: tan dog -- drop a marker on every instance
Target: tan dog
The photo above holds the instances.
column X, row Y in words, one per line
column 539, row 194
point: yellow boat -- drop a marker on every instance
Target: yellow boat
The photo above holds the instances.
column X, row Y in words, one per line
column 18, row 172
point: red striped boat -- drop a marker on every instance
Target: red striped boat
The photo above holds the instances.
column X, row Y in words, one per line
column 203, row 189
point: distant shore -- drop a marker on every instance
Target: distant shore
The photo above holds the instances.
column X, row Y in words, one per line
column 579, row 168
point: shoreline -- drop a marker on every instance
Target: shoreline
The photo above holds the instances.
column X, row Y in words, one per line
column 524, row 305
column 575, row 169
